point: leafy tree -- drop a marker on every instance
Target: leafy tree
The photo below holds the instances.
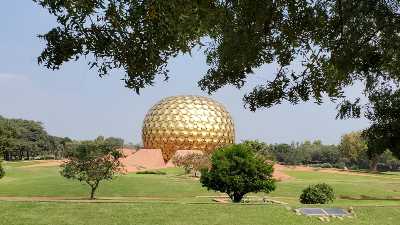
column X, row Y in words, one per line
column 319, row 47
column 133, row 146
column 116, row 141
column 21, row 137
column 282, row 152
column 352, row 145
column 236, row 171
column 92, row 162
column 260, row 148
column 388, row 162
column 192, row 163
column 384, row 132
column 64, row 144
column 7, row 135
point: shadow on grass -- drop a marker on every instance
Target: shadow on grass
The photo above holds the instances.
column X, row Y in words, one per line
column 366, row 197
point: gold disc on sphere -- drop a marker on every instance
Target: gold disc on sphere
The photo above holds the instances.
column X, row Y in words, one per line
column 187, row 123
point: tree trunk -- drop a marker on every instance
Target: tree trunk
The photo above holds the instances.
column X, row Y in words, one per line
column 92, row 191
column 237, row 197
column 373, row 164
column 6, row 156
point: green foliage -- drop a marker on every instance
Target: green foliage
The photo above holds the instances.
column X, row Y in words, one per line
column 2, row 171
column 322, row 165
column 157, row 172
column 351, row 153
column 305, row 153
column 133, row 146
column 339, row 165
column 336, row 42
column 92, row 162
column 236, row 171
column 317, row 194
column 260, row 148
column 20, row 139
column 384, row 132
column 352, row 146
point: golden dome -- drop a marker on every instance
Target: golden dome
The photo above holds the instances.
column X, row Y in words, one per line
column 187, row 123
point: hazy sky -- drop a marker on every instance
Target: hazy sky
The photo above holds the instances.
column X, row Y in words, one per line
column 75, row 102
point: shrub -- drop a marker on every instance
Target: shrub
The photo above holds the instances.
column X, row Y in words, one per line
column 236, row 171
column 326, row 165
column 354, row 167
column 2, row 172
column 317, row 194
column 322, row 165
column 152, row 172
column 339, row 165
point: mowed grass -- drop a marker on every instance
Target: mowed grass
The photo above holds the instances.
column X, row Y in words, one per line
column 35, row 213
column 46, row 181
column 178, row 199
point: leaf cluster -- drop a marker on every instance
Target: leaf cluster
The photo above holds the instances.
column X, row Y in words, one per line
column 384, row 114
column 320, row 47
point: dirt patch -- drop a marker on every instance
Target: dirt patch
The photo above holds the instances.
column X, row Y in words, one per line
column 297, row 168
column 326, row 170
column 44, row 163
column 279, row 173
column 366, row 197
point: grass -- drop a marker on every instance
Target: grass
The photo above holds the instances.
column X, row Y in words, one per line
column 30, row 213
column 173, row 199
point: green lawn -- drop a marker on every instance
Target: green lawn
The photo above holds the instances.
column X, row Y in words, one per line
column 174, row 199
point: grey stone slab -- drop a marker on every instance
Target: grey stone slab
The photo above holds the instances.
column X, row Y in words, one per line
column 336, row 212
column 323, row 212
column 313, row 211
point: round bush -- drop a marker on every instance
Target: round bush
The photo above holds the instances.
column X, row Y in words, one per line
column 340, row 165
column 317, row 194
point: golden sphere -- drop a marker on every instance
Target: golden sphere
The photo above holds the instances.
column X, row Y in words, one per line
column 187, row 123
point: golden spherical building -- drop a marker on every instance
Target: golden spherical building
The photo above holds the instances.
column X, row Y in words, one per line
column 187, row 123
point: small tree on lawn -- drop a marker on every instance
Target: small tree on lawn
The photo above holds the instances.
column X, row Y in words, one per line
column 92, row 162
column 236, row 171
column 192, row 162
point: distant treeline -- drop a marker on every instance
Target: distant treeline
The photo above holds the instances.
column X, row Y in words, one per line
column 351, row 153
column 26, row 139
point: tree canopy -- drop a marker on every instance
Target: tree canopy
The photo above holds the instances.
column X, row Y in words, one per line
column 236, row 170
column 20, row 138
column 352, row 145
column 320, row 47
column 384, row 132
